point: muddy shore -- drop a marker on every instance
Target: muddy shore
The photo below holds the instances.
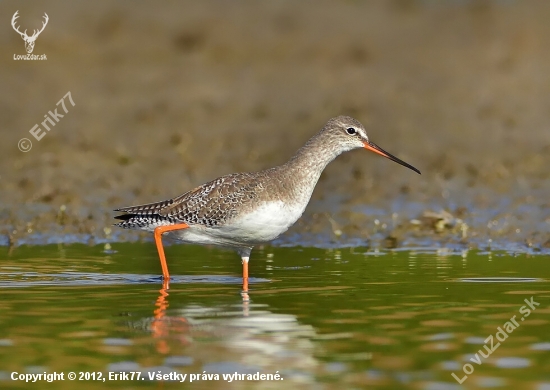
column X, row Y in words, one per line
column 170, row 95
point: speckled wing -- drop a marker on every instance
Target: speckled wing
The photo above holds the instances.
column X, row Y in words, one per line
column 210, row 204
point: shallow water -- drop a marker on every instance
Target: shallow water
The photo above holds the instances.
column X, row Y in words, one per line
column 321, row 318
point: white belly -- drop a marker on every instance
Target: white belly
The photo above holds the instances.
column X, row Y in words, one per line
column 261, row 225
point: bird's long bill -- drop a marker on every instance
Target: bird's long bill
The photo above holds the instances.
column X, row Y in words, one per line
column 377, row 149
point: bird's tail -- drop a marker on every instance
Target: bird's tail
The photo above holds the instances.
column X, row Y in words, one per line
column 139, row 221
column 145, row 216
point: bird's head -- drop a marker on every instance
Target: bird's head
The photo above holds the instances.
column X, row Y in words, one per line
column 350, row 134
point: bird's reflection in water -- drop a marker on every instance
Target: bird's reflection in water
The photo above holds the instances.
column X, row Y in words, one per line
column 164, row 327
column 244, row 335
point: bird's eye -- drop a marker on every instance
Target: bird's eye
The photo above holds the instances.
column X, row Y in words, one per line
column 351, row 130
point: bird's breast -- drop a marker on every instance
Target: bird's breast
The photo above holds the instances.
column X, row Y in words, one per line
column 264, row 222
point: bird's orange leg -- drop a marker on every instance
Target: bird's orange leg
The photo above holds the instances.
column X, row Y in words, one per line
column 158, row 240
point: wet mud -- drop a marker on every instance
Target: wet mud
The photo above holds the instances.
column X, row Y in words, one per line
column 170, row 95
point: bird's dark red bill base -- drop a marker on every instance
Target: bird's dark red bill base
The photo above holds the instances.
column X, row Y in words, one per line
column 377, row 149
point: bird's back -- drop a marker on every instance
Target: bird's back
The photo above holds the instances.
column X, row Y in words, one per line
column 211, row 204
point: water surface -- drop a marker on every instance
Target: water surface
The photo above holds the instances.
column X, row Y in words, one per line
column 321, row 318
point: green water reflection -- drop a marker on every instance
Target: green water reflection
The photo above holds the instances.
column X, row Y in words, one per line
column 346, row 317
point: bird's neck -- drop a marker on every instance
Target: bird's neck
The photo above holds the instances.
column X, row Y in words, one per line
column 305, row 167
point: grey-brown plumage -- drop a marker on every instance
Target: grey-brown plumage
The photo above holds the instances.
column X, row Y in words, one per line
column 211, row 204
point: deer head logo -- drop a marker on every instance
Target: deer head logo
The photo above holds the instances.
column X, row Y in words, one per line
column 29, row 41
